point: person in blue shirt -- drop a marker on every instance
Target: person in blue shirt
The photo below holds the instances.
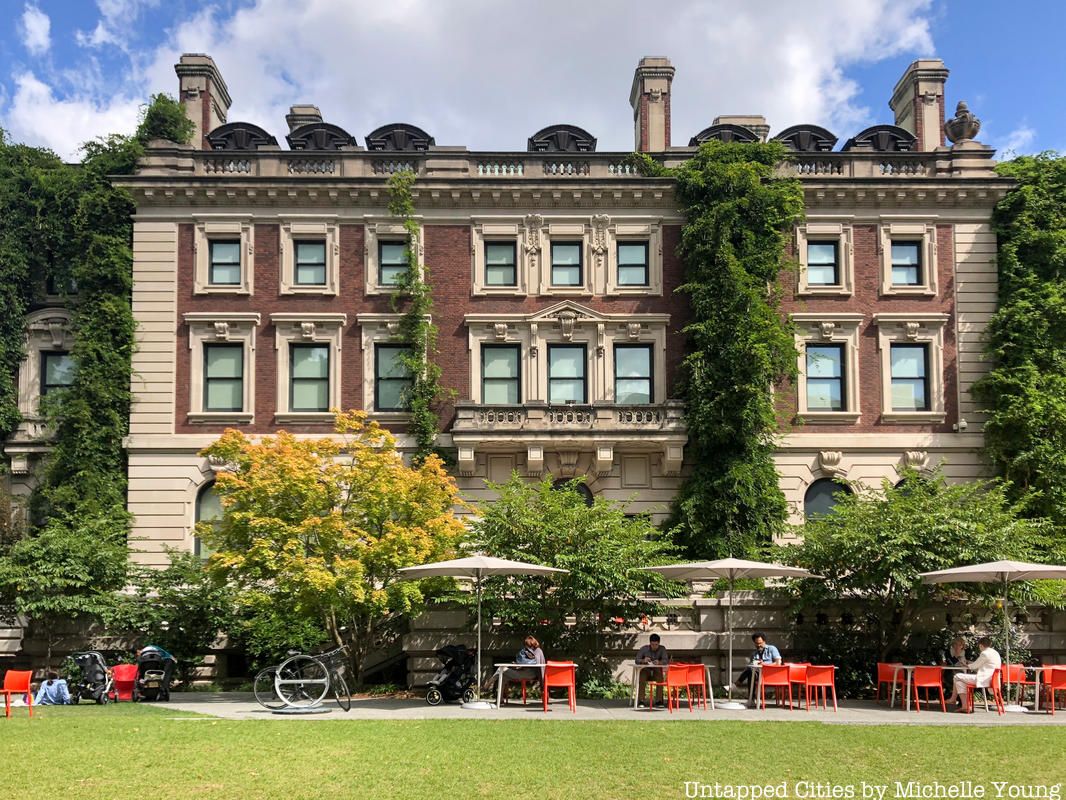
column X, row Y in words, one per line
column 53, row 692
column 764, row 653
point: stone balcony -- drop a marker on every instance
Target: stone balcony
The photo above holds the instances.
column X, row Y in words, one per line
column 599, row 428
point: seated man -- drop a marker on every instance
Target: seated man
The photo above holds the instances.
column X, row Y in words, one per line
column 651, row 653
column 763, row 654
column 984, row 667
column 53, row 692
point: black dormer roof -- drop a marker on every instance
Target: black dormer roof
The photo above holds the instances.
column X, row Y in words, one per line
column 883, row 139
column 807, row 139
column 320, row 136
column 562, row 139
column 239, row 136
column 399, row 137
column 725, row 132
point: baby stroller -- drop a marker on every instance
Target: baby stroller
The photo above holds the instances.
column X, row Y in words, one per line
column 456, row 678
column 95, row 681
column 155, row 669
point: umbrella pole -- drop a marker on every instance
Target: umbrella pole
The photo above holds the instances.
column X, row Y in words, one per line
column 477, row 686
column 729, row 703
column 1008, row 706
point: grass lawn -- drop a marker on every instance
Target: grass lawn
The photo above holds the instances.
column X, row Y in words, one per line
column 131, row 751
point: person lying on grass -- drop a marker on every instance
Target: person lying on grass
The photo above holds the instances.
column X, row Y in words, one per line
column 53, row 692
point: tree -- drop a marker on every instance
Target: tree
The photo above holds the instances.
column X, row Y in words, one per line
column 1025, row 392
column 874, row 545
column 180, row 608
column 165, row 118
column 320, row 527
column 597, row 544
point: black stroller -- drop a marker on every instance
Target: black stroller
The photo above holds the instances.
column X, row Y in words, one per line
column 456, row 678
column 95, row 681
column 155, row 670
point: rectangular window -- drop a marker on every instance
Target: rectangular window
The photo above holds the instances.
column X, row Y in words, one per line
column 910, row 377
column 566, row 374
column 57, row 371
column 566, row 263
column 632, row 263
column 822, row 264
column 224, row 262
column 392, row 378
column 308, row 377
column 310, row 263
column 825, row 377
column 223, row 377
column 500, row 383
column 632, row 374
column 906, row 263
column 500, row 260
column 392, row 262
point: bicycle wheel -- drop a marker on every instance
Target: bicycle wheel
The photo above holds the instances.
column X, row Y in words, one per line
column 265, row 693
column 340, row 691
column 302, row 682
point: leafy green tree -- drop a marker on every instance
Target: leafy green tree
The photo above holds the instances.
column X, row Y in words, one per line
column 1025, row 392
column 165, row 118
column 875, row 544
column 599, row 546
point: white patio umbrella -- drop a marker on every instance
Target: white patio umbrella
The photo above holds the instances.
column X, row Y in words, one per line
column 730, row 569
column 1005, row 572
column 476, row 569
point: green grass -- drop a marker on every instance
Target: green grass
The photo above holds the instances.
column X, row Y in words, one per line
column 131, row 751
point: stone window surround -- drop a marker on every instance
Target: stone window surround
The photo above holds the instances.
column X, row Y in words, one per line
column 562, row 232
column 378, row 328
column 307, row 328
column 829, row 328
column 229, row 227
column 598, row 332
column 47, row 330
column 387, row 229
column 629, row 230
column 222, row 327
column 909, row 230
column 294, row 229
column 912, row 328
column 839, row 232
column 511, row 232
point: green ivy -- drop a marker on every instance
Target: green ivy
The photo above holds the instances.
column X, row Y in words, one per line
column 738, row 214
column 415, row 297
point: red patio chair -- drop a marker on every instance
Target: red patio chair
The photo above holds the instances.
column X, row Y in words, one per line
column 928, row 678
column 997, row 693
column 697, row 679
column 124, row 681
column 1016, row 675
column 776, row 677
column 821, row 677
column 797, row 676
column 887, row 674
column 1054, row 681
column 560, row 674
column 678, row 677
column 17, row 682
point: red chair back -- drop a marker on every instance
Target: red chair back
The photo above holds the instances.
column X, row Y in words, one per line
column 678, row 675
column 18, row 680
column 1014, row 673
column 125, row 678
column 886, row 672
column 696, row 673
column 1055, row 678
column 821, row 675
column 927, row 677
column 797, row 673
column 775, row 675
column 559, row 673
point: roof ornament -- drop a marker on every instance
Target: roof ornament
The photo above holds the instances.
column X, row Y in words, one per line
column 964, row 126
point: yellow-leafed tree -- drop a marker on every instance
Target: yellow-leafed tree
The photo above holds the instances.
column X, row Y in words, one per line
column 319, row 527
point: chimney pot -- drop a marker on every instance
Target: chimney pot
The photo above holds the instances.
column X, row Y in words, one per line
column 918, row 102
column 650, row 99
column 203, row 93
column 302, row 114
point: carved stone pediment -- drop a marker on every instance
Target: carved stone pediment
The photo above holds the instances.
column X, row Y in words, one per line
column 829, row 461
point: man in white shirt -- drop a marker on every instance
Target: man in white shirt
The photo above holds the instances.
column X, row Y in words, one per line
column 984, row 667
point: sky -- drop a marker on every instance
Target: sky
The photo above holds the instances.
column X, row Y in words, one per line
column 488, row 73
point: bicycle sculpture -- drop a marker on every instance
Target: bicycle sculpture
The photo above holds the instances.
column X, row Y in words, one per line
column 301, row 682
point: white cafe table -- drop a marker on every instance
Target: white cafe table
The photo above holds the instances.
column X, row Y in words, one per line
column 635, row 680
column 498, row 677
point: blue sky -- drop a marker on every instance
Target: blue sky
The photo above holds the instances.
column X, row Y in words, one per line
column 487, row 73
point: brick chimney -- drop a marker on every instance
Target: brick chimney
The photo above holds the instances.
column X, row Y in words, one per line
column 203, row 93
column 918, row 102
column 302, row 115
column 650, row 98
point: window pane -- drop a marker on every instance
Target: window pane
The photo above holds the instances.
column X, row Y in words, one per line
column 225, row 274
column 58, row 369
column 226, row 252
column 224, row 394
column 632, row 253
column 390, row 394
column 392, row 262
column 566, row 253
column 566, row 362
column 225, row 266
column 821, row 253
column 566, row 276
column 632, row 362
column 824, row 362
column 908, row 394
column 566, row 264
column 310, row 361
column 391, row 276
column 822, row 276
column 500, row 392
column 500, row 253
column 499, row 362
column 224, row 361
column 393, row 253
column 208, row 506
column 906, row 263
column 909, row 387
column 632, row 390
column 567, row 391
column 310, row 395
column 311, row 274
column 389, row 363
column 632, row 276
column 819, row 498
column 310, row 252
column 824, row 394
column 908, row 361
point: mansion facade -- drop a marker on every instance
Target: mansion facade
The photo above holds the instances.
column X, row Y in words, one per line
column 263, row 275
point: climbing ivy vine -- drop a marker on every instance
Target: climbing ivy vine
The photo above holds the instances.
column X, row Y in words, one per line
column 415, row 298
column 738, row 214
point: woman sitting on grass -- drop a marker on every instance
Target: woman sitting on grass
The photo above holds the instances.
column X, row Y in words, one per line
column 53, row 692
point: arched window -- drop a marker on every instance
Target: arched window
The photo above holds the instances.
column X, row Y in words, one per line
column 820, row 497
column 208, row 509
column 564, row 484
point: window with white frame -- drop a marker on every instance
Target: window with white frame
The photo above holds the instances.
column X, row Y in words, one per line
column 501, row 374
column 908, row 258
column 912, row 366
column 392, row 378
column 57, row 370
column 310, row 263
column 310, row 257
column 632, row 256
column 633, row 374
column 221, row 366
column 498, row 257
column 567, row 370
column 387, row 247
column 633, row 263
column 567, row 264
column 827, row 386
column 224, row 256
column 308, row 347
column 501, row 259
column 392, row 261
column 824, row 252
column 387, row 379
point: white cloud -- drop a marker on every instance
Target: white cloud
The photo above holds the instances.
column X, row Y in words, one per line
column 114, row 25
column 36, row 30
column 1015, row 143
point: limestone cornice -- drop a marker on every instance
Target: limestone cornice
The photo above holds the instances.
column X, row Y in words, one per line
column 865, row 193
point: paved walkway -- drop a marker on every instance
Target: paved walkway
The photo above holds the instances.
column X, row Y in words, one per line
column 242, row 705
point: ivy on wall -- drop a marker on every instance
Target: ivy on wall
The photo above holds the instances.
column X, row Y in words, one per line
column 415, row 297
column 738, row 215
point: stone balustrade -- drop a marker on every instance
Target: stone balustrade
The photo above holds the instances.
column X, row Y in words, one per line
column 597, row 419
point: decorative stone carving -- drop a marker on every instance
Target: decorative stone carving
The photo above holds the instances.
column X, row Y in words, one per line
column 883, row 139
column 807, row 139
column 240, row 136
column 320, row 136
column 829, row 461
column 724, row 132
column 604, row 459
column 499, row 331
column 567, row 320
column 912, row 328
column 568, row 463
column 222, row 331
column 826, row 329
column 633, row 330
column 399, row 137
column 534, row 460
column 307, row 331
column 561, row 139
column 219, row 464
column 533, row 348
column 673, row 455
column 466, row 461
column 964, row 126
column 915, row 459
